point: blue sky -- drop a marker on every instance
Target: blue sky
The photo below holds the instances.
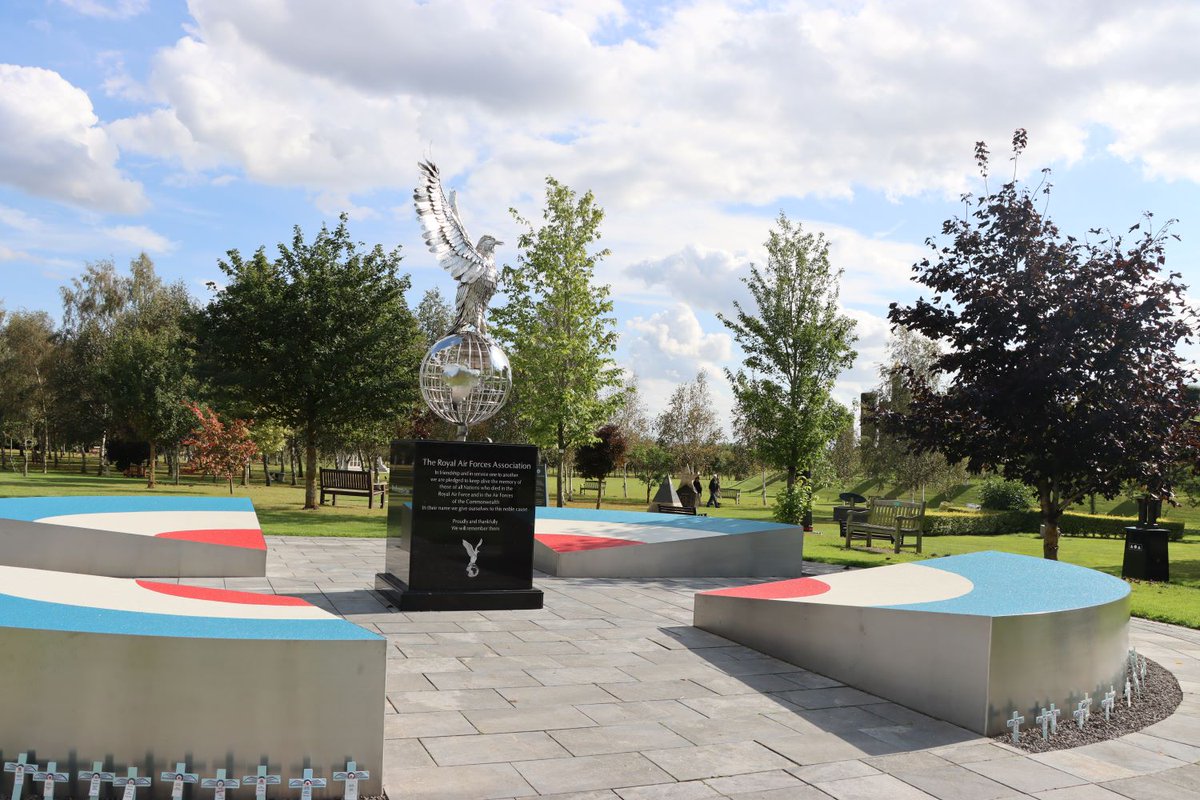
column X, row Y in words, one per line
column 187, row 129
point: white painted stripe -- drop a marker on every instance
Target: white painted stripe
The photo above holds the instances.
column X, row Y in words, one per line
column 648, row 534
column 888, row 586
column 123, row 594
column 152, row 523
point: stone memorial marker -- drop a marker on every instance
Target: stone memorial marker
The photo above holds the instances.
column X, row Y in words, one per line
column 130, row 781
column 261, row 781
column 306, row 783
column 351, row 776
column 20, row 768
column 1015, row 724
column 219, row 784
column 178, row 778
column 1043, row 719
column 1054, row 713
column 49, row 777
column 94, row 777
column 1110, row 697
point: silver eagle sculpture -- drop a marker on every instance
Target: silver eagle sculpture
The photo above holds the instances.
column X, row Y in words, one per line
column 473, row 266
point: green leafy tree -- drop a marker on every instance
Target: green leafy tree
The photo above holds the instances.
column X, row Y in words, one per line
column 1064, row 353
column 597, row 459
column 27, row 356
column 796, row 343
column 559, row 327
column 148, row 366
column 688, row 426
column 434, row 316
column 650, row 463
column 320, row 340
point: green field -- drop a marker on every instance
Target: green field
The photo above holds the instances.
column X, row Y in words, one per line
column 279, row 511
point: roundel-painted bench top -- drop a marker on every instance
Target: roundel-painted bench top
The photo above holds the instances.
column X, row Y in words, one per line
column 67, row 601
column 228, row 521
column 576, row 529
column 982, row 584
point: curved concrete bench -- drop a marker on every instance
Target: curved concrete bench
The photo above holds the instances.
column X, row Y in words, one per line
column 967, row 639
column 580, row 542
column 132, row 536
column 141, row 673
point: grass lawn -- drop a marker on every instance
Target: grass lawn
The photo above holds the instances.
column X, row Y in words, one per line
column 279, row 511
column 278, row 506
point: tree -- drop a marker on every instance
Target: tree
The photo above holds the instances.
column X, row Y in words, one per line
column 1067, row 376
column 148, row 365
column 218, row 448
column 434, row 316
column 559, row 327
column 632, row 419
column 597, row 459
column 796, row 342
column 27, row 355
column 688, row 427
column 320, row 341
column 650, row 463
column 844, row 456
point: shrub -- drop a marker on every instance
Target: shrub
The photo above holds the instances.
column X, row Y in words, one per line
column 955, row 522
column 792, row 504
column 997, row 494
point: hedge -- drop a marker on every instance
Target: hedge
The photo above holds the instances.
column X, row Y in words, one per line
column 954, row 522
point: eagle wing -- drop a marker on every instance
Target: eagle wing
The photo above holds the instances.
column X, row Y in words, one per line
column 443, row 228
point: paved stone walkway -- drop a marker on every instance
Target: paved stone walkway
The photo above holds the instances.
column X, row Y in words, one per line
column 608, row 692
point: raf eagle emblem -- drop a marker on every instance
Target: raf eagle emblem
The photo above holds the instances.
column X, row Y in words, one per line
column 473, row 266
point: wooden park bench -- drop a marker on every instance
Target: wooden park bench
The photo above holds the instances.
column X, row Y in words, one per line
column 731, row 494
column 352, row 482
column 667, row 508
column 887, row 519
column 134, row 471
column 591, row 486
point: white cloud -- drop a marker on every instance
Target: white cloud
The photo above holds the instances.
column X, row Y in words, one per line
column 110, row 9
column 672, row 344
column 140, row 237
column 54, row 147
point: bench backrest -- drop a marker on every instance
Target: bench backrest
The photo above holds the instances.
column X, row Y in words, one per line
column 884, row 512
column 345, row 479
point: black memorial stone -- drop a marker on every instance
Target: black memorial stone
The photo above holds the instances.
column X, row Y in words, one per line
column 460, row 526
column 1146, row 554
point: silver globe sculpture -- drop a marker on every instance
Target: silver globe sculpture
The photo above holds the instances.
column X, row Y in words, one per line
column 465, row 378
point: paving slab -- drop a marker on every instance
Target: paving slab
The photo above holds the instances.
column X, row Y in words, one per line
column 491, row 748
column 618, row 738
column 583, row 773
column 1024, row 774
column 714, row 761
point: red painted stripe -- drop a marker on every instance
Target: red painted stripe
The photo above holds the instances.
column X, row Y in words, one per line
column 250, row 538
column 566, row 543
column 222, row 595
column 776, row 590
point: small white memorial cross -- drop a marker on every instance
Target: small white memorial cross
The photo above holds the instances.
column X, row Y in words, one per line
column 1110, row 697
column 131, row 782
column 1081, row 714
column 178, row 778
column 351, row 776
column 20, row 768
column 261, row 781
column 49, row 777
column 306, row 784
column 1137, row 684
column 219, row 784
column 1054, row 713
column 1128, row 694
column 94, row 777
column 1142, row 669
column 1043, row 719
column 1015, row 724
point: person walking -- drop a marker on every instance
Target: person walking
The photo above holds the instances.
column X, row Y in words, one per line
column 698, row 487
column 714, row 492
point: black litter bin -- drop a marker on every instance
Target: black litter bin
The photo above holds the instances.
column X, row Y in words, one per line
column 1146, row 554
column 849, row 510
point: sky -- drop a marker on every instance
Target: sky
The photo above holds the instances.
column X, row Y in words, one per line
column 188, row 129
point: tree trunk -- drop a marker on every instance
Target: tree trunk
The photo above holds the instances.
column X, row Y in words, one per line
column 292, row 463
column 45, row 449
column 103, row 453
column 310, row 477
column 625, row 482
column 562, row 466
column 246, row 473
column 599, row 492
column 266, row 469
column 83, row 460
column 150, row 465
column 24, row 462
column 764, row 485
column 791, row 477
column 175, row 464
column 1050, row 516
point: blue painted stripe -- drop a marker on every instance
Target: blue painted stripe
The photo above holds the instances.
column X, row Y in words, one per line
column 30, row 509
column 20, row 612
column 1007, row 585
column 717, row 524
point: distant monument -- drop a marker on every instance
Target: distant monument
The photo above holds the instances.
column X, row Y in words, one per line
column 666, row 496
